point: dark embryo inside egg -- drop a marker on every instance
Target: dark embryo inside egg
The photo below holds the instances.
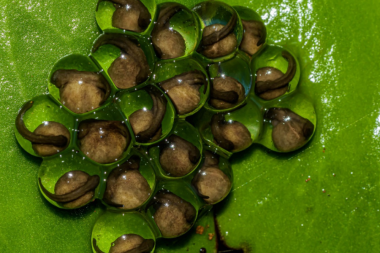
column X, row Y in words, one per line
column 254, row 36
column 167, row 42
column 128, row 243
column 290, row 131
column 271, row 82
column 183, row 90
column 103, row 141
column 211, row 182
column 178, row 156
column 147, row 124
column 48, row 139
column 131, row 67
column 231, row 136
column 219, row 40
column 173, row 216
column 131, row 15
column 126, row 187
column 81, row 91
column 226, row 92
column 73, row 189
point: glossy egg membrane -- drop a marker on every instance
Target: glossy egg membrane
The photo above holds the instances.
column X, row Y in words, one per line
column 186, row 83
column 222, row 31
column 126, row 16
column 232, row 76
column 127, row 60
column 153, row 142
column 176, row 32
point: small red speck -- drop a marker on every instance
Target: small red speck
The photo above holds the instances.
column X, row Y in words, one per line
column 307, row 180
column 324, row 149
column 324, row 191
column 334, row 174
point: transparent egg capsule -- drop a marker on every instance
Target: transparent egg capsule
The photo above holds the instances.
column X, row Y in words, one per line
column 213, row 180
column 76, row 82
column 127, row 60
column 221, row 31
column 130, row 183
column 185, row 82
column 174, row 208
column 231, row 83
column 277, row 73
column 230, row 132
column 126, row 16
column 149, row 112
column 289, row 124
column 68, row 181
column 43, row 128
column 118, row 232
column 179, row 154
column 255, row 32
column 104, row 137
column 175, row 32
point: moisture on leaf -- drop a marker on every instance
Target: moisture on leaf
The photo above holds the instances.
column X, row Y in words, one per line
column 254, row 36
column 231, row 136
column 131, row 67
column 73, row 189
column 126, row 187
column 48, row 138
column 146, row 124
column 219, row 40
column 167, row 42
column 103, row 141
column 183, row 90
column 290, row 131
column 226, row 92
column 173, row 216
column 81, row 91
column 271, row 82
column 178, row 156
column 211, row 182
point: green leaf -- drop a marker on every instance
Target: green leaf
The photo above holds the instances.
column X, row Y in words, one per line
column 271, row 207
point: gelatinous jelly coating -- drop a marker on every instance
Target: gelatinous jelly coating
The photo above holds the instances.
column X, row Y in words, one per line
column 146, row 124
column 71, row 181
column 183, row 90
column 174, row 216
column 267, row 88
column 103, row 141
column 210, row 181
column 221, row 48
column 290, row 131
column 232, row 136
column 48, row 138
column 126, row 186
column 254, row 36
column 178, row 157
column 131, row 15
column 168, row 43
column 50, row 128
column 81, row 91
column 226, row 92
column 131, row 68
